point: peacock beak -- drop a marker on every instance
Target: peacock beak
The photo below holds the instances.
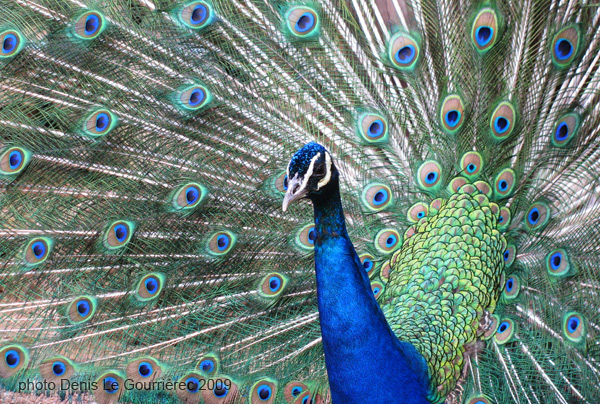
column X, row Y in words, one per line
column 296, row 190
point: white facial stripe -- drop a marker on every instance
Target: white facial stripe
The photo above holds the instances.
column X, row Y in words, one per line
column 327, row 177
column 309, row 172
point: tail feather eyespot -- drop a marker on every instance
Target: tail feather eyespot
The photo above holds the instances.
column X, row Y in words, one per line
column 118, row 234
column 99, row 123
column 263, row 392
column 89, row 25
column 387, row 240
column 149, row 287
column 452, row 113
column 196, row 15
column 56, row 369
column 13, row 160
column 302, row 22
column 11, row 43
column 503, row 121
column 429, row 175
column 37, row 251
column 373, row 128
column 110, row 387
column 485, row 30
column 505, row 332
column 13, row 359
column 220, row 243
column 194, row 98
column 81, row 309
column 272, row 285
column 565, row 129
column 505, row 183
column 403, row 52
column 143, row 369
column 566, row 45
column 376, row 196
column 574, row 327
column 208, row 365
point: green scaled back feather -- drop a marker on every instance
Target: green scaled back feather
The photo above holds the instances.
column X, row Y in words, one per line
column 143, row 149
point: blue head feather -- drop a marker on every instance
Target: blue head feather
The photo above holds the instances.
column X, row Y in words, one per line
column 301, row 159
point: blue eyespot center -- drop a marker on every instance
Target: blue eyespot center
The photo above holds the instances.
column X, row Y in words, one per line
column 509, row 285
column 91, row 24
column 471, row 167
column 305, row 22
column 506, row 255
column 305, row 400
column 10, row 43
column 555, row 261
column 58, row 368
column 391, row 240
column 264, row 392
column 111, row 385
column 562, row 131
column 380, row 197
column 368, row 264
column 573, row 324
column 102, row 121
column 503, row 185
column 452, row 117
column 376, row 128
column 120, row 232
column 563, row 49
column 296, row 391
column 39, row 249
column 207, row 366
column 220, row 389
column 83, row 308
column 151, row 285
column 421, row 215
column 501, row 219
column 406, row 54
column 192, row 384
column 196, row 97
column 14, row 159
column 501, row 124
column 12, row 358
column 199, row 14
column 145, row 369
column 191, row 195
column 312, row 235
column 274, row 283
column 376, row 291
column 222, row 242
column 484, row 35
column 534, row 215
column 431, row 178
column 503, row 327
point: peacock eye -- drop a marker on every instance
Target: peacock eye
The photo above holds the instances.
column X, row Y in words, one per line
column 319, row 170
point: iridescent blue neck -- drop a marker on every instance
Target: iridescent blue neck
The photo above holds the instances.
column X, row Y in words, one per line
column 365, row 361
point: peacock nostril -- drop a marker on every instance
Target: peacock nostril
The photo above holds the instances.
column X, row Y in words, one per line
column 295, row 189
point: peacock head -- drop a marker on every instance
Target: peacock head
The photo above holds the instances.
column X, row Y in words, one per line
column 310, row 174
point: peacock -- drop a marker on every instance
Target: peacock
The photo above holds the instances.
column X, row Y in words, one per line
column 300, row 201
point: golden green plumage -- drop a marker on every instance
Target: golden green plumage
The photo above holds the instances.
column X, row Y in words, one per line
column 443, row 280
